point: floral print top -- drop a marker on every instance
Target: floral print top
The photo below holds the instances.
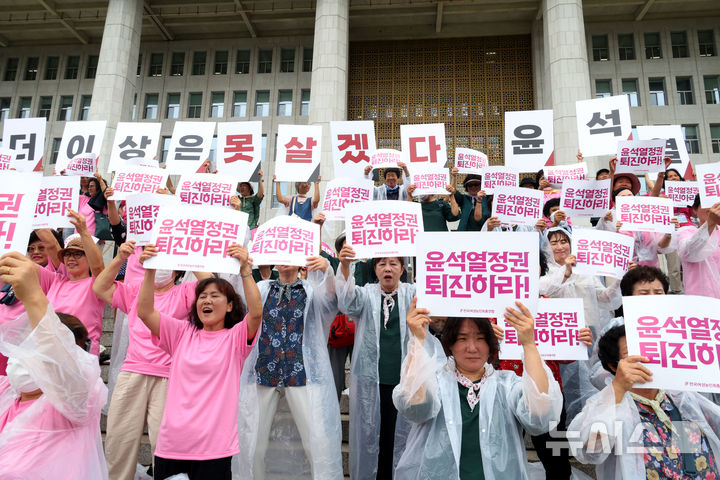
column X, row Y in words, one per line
column 280, row 358
column 663, row 460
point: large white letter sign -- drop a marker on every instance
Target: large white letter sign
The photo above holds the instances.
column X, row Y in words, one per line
column 352, row 143
column 383, row 228
column 285, row 240
column 134, row 141
column 189, row 147
column 601, row 123
column 529, row 141
column 297, row 154
column 239, row 149
column 80, row 147
column 423, row 146
column 27, row 137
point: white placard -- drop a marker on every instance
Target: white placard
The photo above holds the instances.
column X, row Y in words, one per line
column 680, row 335
column 645, row 214
column 477, row 274
column 383, row 228
column 529, row 140
column 708, row 177
column 682, row 193
column 209, row 189
column 521, row 206
column 130, row 179
column 640, row 157
column 297, row 155
column 429, row 183
column 385, row 158
column 352, row 143
column 189, row 147
column 556, row 175
column 601, row 253
column 468, row 160
column 239, row 149
column 27, row 137
column 80, row 147
column 7, row 159
column 675, row 147
column 585, row 198
column 341, row 192
column 17, row 209
column 142, row 210
column 498, row 176
column 285, row 240
column 134, row 141
column 601, row 123
column 57, row 195
column 197, row 238
column 557, row 324
column 423, row 146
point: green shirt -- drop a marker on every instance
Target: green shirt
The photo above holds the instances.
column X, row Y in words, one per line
column 251, row 206
column 390, row 348
column 471, row 467
column 467, row 213
column 436, row 214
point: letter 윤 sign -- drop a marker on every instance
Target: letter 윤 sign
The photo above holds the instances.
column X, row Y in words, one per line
column 601, row 123
column 529, row 140
column 239, row 149
column 134, row 141
column 297, row 154
column 27, row 137
column 189, row 147
column 352, row 144
column 80, row 148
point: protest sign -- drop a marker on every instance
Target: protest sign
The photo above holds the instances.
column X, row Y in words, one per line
column 285, row 240
column 429, row 182
column 239, row 149
column 521, row 206
column 680, row 335
column 27, row 137
column 342, row 191
column 682, row 193
column 496, row 176
column 557, row 325
column 189, row 147
column 142, row 210
column 197, row 238
column 476, row 274
column 601, row 123
column 143, row 162
column 645, row 214
column 80, row 147
column 640, row 157
column 17, row 209
column 423, row 146
column 328, row 249
column 675, row 147
column 57, row 195
column 7, row 159
column 601, row 253
column 383, row 228
column 131, row 179
column 352, row 143
column 708, row 177
column 529, row 141
column 468, row 160
column 556, row 175
column 585, row 198
column 134, row 140
column 385, row 158
column 297, row 154
column 206, row 189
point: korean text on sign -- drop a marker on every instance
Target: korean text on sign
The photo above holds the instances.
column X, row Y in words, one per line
column 557, row 325
column 26, row 136
column 352, row 143
column 680, row 335
column 529, row 142
column 135, row 179
column 342, row 191
column 383, row 228
column 601, row 253
column 385, row 158
column 239, row 149
column 17, row 207
column 430, row 183
column 585, row 198
column 189, row 147
column 197, row 238
column 641, row 156
column 557, row 175
column 494, row 176
column 708, row 175
column 57, row 195
column 601, row 123
column 645, row 214
column 285, row 240
column 470, row 161
column 423, row 145
column 133, row 142
column 457, row 278
column 297, row 152
column 675, row 147
column 517, row 205
column 142, row 210
column 205, row 189
column 7, row 158
column 682, row 193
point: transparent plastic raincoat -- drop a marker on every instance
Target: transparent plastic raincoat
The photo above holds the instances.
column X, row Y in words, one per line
column 618, row 424
column 58, row 436
column 699, row 252
column 362, row 305
column 325, row 426
column 428, row 396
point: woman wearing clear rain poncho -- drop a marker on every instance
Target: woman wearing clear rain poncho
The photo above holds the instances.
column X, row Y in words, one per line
column 51, row 399
column 467, row 417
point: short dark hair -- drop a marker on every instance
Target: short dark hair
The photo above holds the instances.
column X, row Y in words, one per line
column 564, row 233
column 76, row 327
column 396, row 171
column 339, row 242
column 642, row 274
column 376, row 260
column 233, row 317
column 696, row 202
column 601, row 171
column 608, row 348
column 530, row 181
column 618, row 190
column 553, row 202
column 540, row 173
column 96, row 182
column 58, row 236
column 452, row 329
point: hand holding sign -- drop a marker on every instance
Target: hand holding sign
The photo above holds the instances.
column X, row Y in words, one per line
column 630, row 371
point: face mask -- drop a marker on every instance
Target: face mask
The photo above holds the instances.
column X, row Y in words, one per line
column 163, row 277
column 19, row 378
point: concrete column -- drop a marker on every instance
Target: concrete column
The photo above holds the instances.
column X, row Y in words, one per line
column 565, row 54
column 114, row 86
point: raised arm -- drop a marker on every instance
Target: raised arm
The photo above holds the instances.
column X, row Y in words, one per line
column 523, row 321
column 146, row 298
column 92, row 251
column 52, row 247
column 21, row 272
column 104, row 284
column 278, row 193
column 316, row 194
column 250, row 289
column 261, row 188
column 113, row 214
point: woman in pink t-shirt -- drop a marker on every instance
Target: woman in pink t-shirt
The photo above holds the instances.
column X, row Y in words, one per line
column 198, row 433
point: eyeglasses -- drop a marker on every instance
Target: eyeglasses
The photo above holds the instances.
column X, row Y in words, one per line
column 74, row 254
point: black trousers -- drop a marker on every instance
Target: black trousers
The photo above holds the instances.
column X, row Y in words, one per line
column 553, row 450
column 388, row 417
column 216, row 469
